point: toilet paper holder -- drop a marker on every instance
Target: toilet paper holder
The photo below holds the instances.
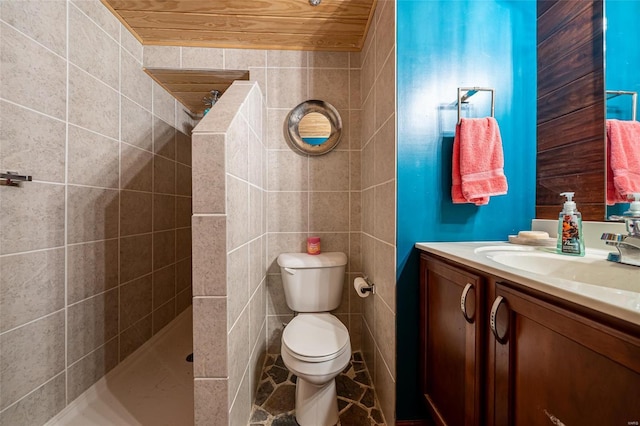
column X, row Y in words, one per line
column 371, row 286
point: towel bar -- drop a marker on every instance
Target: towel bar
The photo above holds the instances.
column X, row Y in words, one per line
column 634, row 100
column 469, row 92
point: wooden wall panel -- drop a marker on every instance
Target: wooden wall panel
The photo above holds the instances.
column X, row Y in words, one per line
column 551, row 212
column 577, row 126
column 586, row 57
column 548, row 189
column 189, row 87
column 245, row 40
column 334, row 25
column 570, row 159
column 353, row 9
column 582, row 92
column 581, row 28
column 233, row 24
column 543, row 6
column 571, row 138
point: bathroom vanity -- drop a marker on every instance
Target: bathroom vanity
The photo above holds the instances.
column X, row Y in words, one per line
column 522, row 336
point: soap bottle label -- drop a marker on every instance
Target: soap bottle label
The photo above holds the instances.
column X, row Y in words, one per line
column 570, row 234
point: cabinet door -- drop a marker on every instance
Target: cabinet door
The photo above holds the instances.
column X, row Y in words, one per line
column 450, row 343
column 553, row 366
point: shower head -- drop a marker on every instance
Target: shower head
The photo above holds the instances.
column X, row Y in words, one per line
column 211, row 100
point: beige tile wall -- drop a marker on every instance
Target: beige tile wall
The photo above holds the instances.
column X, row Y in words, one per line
column 229, row 243
column 95, row 253
column 307, row 195
column 299, row 196
column 378, row 164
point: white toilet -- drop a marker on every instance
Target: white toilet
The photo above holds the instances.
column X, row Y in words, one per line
column 315, row 344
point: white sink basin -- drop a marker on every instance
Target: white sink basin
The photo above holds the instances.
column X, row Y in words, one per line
column 592, row 269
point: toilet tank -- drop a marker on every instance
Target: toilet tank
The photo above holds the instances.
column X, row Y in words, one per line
column 312, row 283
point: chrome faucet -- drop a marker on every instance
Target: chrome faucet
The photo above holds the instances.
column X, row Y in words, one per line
column 628, row 248
column 628, row 245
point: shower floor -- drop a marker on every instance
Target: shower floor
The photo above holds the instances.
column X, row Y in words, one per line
column 153, row 386
column 275, row 398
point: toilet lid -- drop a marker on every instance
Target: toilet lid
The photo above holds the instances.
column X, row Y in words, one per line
column 315, row 335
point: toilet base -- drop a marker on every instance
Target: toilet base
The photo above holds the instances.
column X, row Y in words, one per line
column 316, row 405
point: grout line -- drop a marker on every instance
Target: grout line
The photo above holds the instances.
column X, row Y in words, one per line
column 33, row 110
column 94, row 78
column 37, row 42
column 117, row 139
column 55, row 376
column 32, row 321
column 290, row 151
column 384, row 362
column 94, row 22
column 32, row 251
column 345, row 398
column 246, row 306
column 384, row 302
column 117, row 336
column 66, row 213
column 276, row 191
column 132, row 325
column 378, row 239
column 208, row 297
column 102, row 293
column 80, row 185
column 377, row 185
column 303, row 232
column 134, row 102
column 103, row 345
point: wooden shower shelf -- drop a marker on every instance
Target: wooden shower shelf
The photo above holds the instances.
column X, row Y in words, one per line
column 190, row 86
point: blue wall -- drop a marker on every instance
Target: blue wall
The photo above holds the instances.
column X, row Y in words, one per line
column 622, row 63
column 622, row 70
column 444, row 44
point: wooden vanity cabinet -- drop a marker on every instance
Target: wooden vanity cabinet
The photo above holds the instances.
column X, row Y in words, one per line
column 538, row 360
column 553, row 366
column 451, row 343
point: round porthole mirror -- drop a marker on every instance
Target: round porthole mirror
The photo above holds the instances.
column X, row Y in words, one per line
column 314, row 127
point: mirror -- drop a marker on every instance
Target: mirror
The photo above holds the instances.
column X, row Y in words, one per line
column 622, row 62
column 314, row 127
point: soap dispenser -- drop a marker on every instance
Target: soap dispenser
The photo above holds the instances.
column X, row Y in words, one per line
column 570, row 239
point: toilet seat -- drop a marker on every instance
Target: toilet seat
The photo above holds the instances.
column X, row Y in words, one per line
column 317, row 337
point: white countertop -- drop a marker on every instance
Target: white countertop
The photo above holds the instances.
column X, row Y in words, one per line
column 618, row 303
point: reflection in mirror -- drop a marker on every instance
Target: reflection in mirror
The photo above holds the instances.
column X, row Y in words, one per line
column 314, row 128
column 622, row 62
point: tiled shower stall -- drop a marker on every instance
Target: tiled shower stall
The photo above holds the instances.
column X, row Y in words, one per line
column 95, row 253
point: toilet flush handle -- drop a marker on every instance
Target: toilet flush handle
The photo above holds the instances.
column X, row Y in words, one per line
column 290, row 271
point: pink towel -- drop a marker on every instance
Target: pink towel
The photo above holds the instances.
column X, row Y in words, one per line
column 623, row 167
column 477, row 168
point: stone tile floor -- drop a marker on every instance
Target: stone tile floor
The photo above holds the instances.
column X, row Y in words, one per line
column 275, row 399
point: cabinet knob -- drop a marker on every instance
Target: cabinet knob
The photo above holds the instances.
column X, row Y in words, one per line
column 463, row 304
column 499, row 330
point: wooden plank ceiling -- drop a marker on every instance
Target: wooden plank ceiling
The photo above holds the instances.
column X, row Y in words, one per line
column 333, row 25
column 189, row 87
